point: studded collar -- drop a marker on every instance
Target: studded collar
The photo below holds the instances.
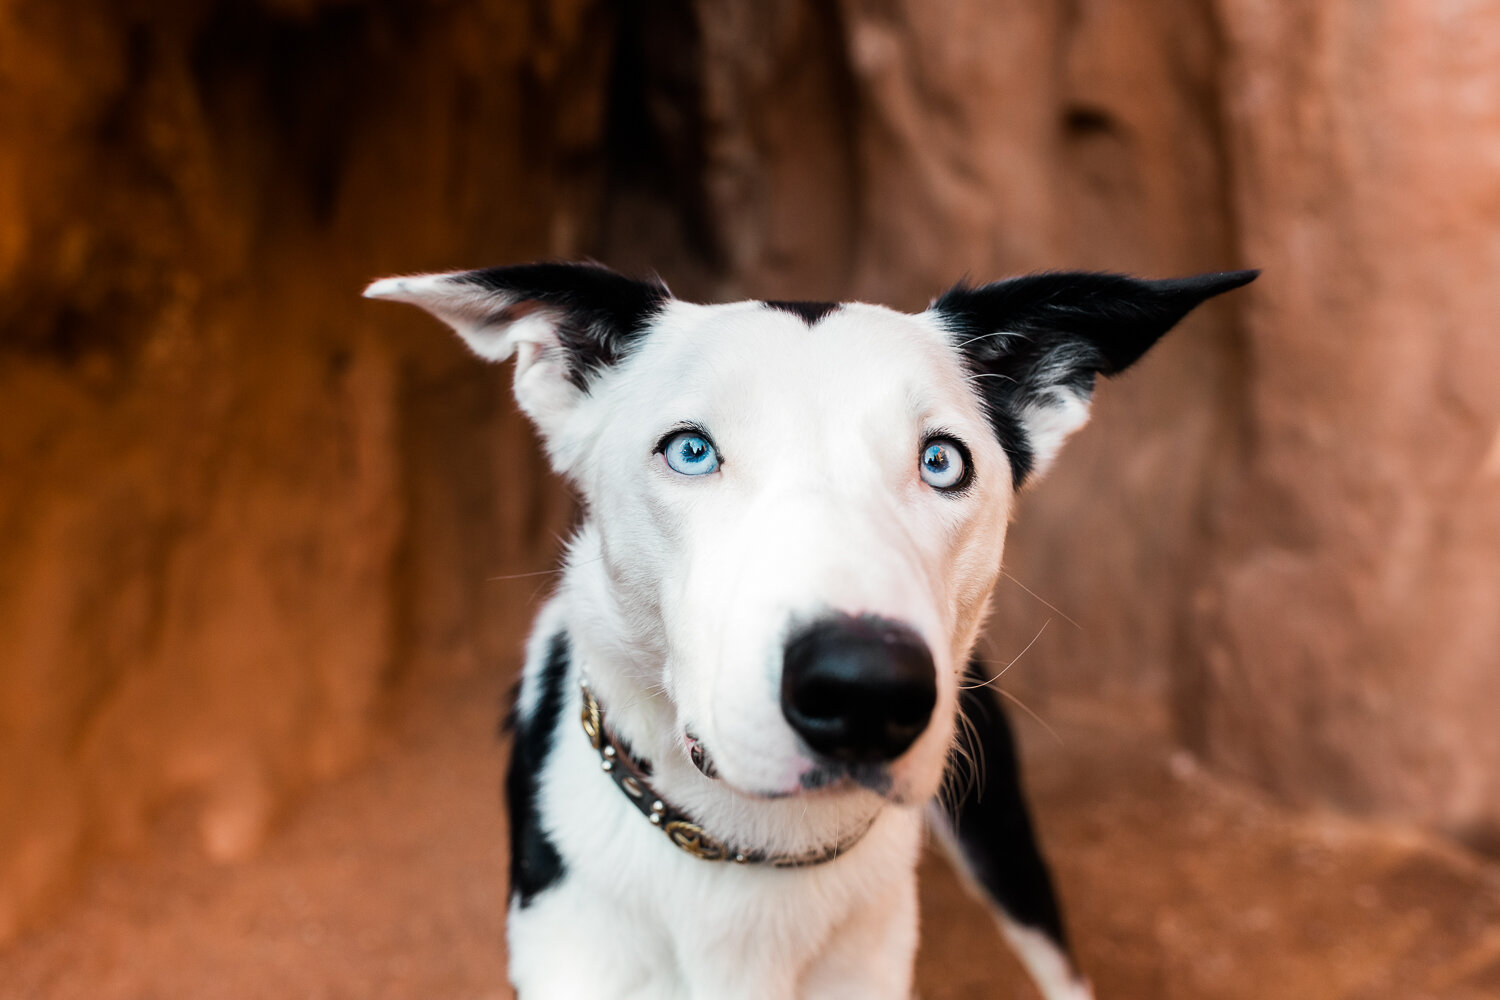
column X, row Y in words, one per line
column 632, row 777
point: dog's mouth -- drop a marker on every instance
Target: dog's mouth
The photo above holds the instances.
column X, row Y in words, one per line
column 698, row 754
column 822, row 776
column 871, row 777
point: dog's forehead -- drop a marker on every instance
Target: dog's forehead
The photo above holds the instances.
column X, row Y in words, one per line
column 752, row 343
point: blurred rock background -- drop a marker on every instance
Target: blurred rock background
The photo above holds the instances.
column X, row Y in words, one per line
column 244, row 515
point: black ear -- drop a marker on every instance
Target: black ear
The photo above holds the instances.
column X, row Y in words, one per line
column 589, row 314
column 1035, row 344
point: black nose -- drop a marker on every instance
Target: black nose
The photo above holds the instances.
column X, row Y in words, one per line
column 858, row 689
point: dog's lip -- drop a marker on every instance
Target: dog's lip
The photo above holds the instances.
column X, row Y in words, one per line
column 883, row 785
column 794, row 789
column 833, row 776
column 762, row 794
column 813, row 778
column 776, row 795
column 810, row 776
column 818, row 778
column 698, row 753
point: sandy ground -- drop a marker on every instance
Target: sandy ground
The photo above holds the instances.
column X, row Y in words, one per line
column 390, row 884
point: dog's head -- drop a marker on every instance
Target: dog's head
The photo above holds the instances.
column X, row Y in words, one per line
column 800, row 508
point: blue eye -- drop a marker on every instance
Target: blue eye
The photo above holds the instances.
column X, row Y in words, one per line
column 943, row 464
column 689, row 453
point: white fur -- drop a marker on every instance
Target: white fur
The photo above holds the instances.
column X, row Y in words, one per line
column 1049, row 968
column 677, row 599
column 1056, row 416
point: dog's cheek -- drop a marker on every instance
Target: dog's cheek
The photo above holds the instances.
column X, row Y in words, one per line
column 636, row 557
column 973, row 567
column 919, row 775
column 971, row 602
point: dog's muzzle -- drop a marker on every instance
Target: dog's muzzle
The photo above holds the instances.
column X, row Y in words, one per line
column 632, row 776
column 858, row 690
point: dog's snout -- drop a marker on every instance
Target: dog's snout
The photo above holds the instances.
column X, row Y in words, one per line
column 858, row 689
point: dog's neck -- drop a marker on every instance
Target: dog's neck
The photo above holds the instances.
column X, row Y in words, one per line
column 625, row 676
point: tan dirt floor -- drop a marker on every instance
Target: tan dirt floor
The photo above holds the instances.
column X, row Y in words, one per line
column 389, row 884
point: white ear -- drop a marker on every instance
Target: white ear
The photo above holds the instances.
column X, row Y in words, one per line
column 1050, row 419
column 563, row 323
column 484, row 320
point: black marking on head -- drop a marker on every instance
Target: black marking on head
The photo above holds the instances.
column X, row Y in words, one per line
column 1028, row 337
column 534, row 862
column 600, row 314
column 810, row 312
column 991, row 824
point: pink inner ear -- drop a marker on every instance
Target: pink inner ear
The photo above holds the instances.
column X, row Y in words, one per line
column 526, row 352
column 516, row 311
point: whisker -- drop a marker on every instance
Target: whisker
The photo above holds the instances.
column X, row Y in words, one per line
column 975, row 761
column 987, row 683
column 1038, row 719
column 1043, row 600
column 541, row 572
column 980, row 375
column 982, row 336
column 947, row 796
column 523, row 576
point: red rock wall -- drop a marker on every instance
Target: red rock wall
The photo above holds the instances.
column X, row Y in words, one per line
column 236, row 507
column 1349, row 632
column 240, row 507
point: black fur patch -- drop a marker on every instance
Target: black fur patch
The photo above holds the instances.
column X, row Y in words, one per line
column 810, row 312
column 534, row 861
column 600, row 313
column 1026, row 336
column 990, row 820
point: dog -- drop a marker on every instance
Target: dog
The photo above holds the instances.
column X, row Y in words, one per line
column 740, row 707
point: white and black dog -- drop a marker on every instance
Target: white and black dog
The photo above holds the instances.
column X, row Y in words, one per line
column 746, row 692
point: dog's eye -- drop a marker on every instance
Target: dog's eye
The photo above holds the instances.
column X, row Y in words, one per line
column 690, row 454
column 943, row 464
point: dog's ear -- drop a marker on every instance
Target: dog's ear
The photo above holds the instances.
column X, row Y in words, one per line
column 1035, row 344
column 563, row 323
